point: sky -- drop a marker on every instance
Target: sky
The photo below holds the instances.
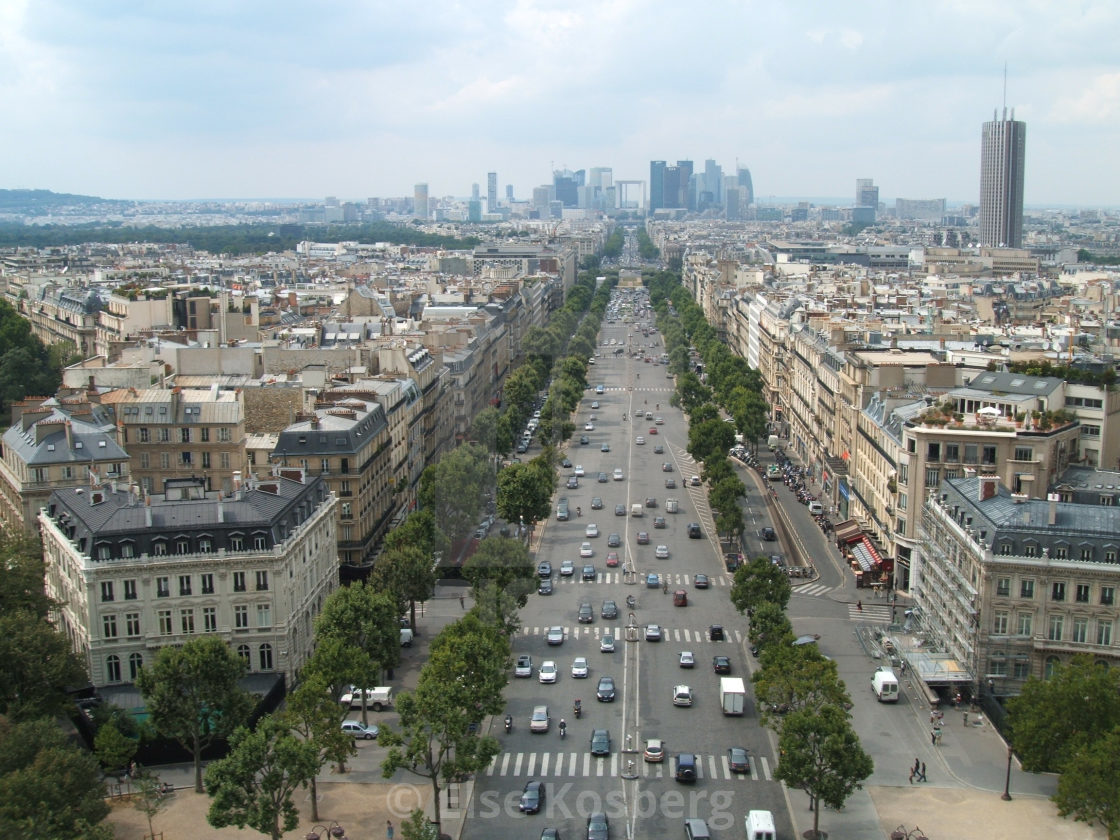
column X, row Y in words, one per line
column 162, row 99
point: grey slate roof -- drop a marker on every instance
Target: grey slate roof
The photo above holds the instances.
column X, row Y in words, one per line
column 91, row 443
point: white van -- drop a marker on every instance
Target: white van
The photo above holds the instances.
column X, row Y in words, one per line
column 636, row 509
column 816, row 508
column 760, row 826
column 885, row 685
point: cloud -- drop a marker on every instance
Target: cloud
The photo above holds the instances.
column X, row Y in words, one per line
column 1098, row 103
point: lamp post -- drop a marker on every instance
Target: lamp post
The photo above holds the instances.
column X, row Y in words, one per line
column 1006, row 797
column 319, row 832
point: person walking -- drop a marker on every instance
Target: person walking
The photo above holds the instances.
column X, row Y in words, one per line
column 388, row 830
column 859, row 606
column 922, row 774
column 462, row 601
column 917, row 764
column 911, row 775
column 933, row 737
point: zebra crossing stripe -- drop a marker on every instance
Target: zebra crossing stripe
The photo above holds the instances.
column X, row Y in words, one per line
column 544, row 764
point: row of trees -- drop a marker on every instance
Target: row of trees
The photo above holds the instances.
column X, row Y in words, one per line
column 27, row 366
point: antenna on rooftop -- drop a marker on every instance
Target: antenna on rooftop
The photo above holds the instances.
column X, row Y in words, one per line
column 1005, row 90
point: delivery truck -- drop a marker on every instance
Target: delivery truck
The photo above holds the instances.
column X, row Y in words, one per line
column 732, row 695
column 885, row 685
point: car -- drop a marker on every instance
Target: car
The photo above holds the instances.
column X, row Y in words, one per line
column 653, row 581
column 701, row 581
column 696, row 828
column 572, row 483
column 532, row 797
column 356, row 729
column 738, row 760
column 592, row 530
column 604, row 692
column 612, row 559
column 694, row 481
column 547, row 672
column 684, row 769
column 606, row 644
column 596, row 503
column 600, row 742
column 598, row 826
column 579, row 668
column 661, row 552
column 540, row 720
column 653, row 632
column 659, row 450
column 651, row 502
column 715, row 633
column 602, row 478
column 567, row 568
column 524, row 666
column 620, row 510
column 610, row 609
column 522, row 447
column 589, row 426
column 670, row 484
column 642, row 537
column 658, row 421
column 687, row 659
column 694, row 532
column 555, row 635
column 666, row 467
column 721, row 664
column 682, row 695
column 653, row 430
column 654, row 752
column 614, row 540
column 588, row 573
column 598, row 389
column 584, row 440
column 767, row 534
column 585, row 615
column 577, row 471
column 550, row 834
column 585, row 550
column 659, row 522
column 565, row 463
column 544, row 569
column 639, row 441
column 778, row 560
column 594, row 403
column 617, row 475
column 545, row 587
column 606, row 447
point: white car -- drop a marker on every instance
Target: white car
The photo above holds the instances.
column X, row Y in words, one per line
column 585, row 550
column 606, row 644
column 547, row 672
column 578, row 471
column 592, row 530
column 589, row 427
column 567, row 568
column 639, row 440
column 661, row 552
column 682, row 696
column 687, row 660
column 618, row 473
column 579, row 668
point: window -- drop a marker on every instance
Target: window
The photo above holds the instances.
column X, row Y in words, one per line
column 1049, row 666
column 933, row 476
column 163, row 585
column 206, row 460
column 999, row 626
column 1023, row 624
column 952, row 452
column 209, row 619
column 130, row 588
column 264, row 615
column 238, row 581
column 1026, row 588
column 344, row 488
column 184, row 584
column 145, row 460
column 241, row 617
column 145, row 436
column 243, row 652
column 236, row 543
column 164, row 435
column 971, row 453
column 223, row 459
column 262, row 581
column 903, row 501
column 1104, row 632
column 104, row 552
column 132, row 625
column 259, row 542
column 989, row 454
column 1054, row 631
column 1058, row 591
column 106, row 590
column 185, row 435
column 345, row 533
column 1023, row 453
column 224, row 435
column 127, row 549
column 113, row 668
column 135, row 663
column 1108, row 595
column 933, row 451
column 1061, row 552
column 165, row 460
column 1090, row 431
column 67, row 472
column 344, row 466
column 206, row 582
column 108, row 626
column 186, row 621
column 159, row 547
column 265, row 657
column 347, row 512
column 1080, row 630
column 1005, row 549
column 997, row 667
column 1022, row 670
column 164, row 617
column 324, row 465
column 1109, row 555
column 1082, row 596
column 185, row 458
column 1003, row 586
column 1087, row 554
column 204, row 434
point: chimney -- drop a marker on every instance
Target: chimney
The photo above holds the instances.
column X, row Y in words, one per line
column 237, row 483
column 314, row 421
column 989, row 485
column 147, row 510
column 221, row 511
column 1052, row 515
column 69, row 435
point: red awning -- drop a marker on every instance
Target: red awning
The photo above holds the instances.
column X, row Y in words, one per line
column 848, row 531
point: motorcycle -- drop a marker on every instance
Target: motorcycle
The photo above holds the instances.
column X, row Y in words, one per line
column 577, row 709
column 563, row 729
column 631, row 601
column 509, row 724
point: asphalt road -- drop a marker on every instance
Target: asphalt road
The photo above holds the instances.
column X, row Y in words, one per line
column 652, row 803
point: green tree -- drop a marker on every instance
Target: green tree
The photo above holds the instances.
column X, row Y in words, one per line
column 501, row 575
column 796, row 678
column 455, row 487
column 524, row 493
column 192, row 694
column 21, row 575
column 692, row 392
column 486, row 430
column 759, row 582
column 313, row 713
column 1087, row 786
column 253, row 785
column 37, row 666
column 710, row 438
column 769, row 625
column 418, row 827
column 1054, row 719
column 821, row 755
column 729, row 522
column 338, row 666
column 405, row 572
column 149, row 798
column 461, row 683
column 113, row 748
column 48, row 787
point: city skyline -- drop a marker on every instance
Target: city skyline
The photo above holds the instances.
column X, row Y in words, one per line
column 285, row 101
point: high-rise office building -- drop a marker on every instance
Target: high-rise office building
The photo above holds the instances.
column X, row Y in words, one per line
column 656, row 184
column 491, row 192
column 567, row 184
column 711, row 194
column 474, row 192
column 687, row 197
column 746, row 188
column 420, row 201
column 867, row 198
column 1002, row 155
column 474, row 210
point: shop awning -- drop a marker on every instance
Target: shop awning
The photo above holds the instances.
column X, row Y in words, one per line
column 865, row 554
column 848, row 531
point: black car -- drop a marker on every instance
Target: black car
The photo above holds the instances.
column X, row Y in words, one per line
column 544, row 569
column 767, row 534
column 604, row 693
column 721, row 664
column 701, row 581
column 738, row 760
column 564, row 462
column 598, row 827
column 588, row 572
column 586, row 616
column 685, row 767
column 620, row 510
column 545, row 587
column 694, row 532
column 600, row 742
column 584, row 440
column 532, row 797
column 610, row 609
column 715, row 633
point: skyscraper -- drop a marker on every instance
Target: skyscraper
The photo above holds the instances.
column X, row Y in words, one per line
column 687, row 198
column 1002, row 155
column 746, row 187
column 656, row 184
column 867, row 197
column 491, row 192
column 420, row 201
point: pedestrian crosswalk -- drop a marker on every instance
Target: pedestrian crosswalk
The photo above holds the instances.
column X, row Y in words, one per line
column 878, row 613
column 687, row 635
column 813, row 590
column 542, row 765
column 613, row 576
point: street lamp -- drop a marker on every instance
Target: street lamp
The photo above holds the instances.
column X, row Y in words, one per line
column 1006, row 797
column 318, row 832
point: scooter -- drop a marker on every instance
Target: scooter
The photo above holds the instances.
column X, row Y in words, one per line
column 563, row 729
column 509, row 724
column 631, row 601
column 578, row 709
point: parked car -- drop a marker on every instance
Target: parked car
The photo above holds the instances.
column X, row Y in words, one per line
column 356, row 729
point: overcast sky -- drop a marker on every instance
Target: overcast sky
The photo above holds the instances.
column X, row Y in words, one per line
column 153, row 99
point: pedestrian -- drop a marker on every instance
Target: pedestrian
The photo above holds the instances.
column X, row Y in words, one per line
column 917, row 764
column 938, row 733
column 922, row 776
column 462, row 602
column 859, row 606
column 389, row 829
column 911, row 775
column 966, row 718
column 933, row 737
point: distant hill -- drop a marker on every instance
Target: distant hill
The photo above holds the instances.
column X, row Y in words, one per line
column 39, row 201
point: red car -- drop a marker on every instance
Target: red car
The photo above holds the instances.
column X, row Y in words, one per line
column 653, row 430
column 612, row 558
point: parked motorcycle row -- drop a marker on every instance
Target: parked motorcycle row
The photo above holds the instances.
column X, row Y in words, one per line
column 794, row 478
